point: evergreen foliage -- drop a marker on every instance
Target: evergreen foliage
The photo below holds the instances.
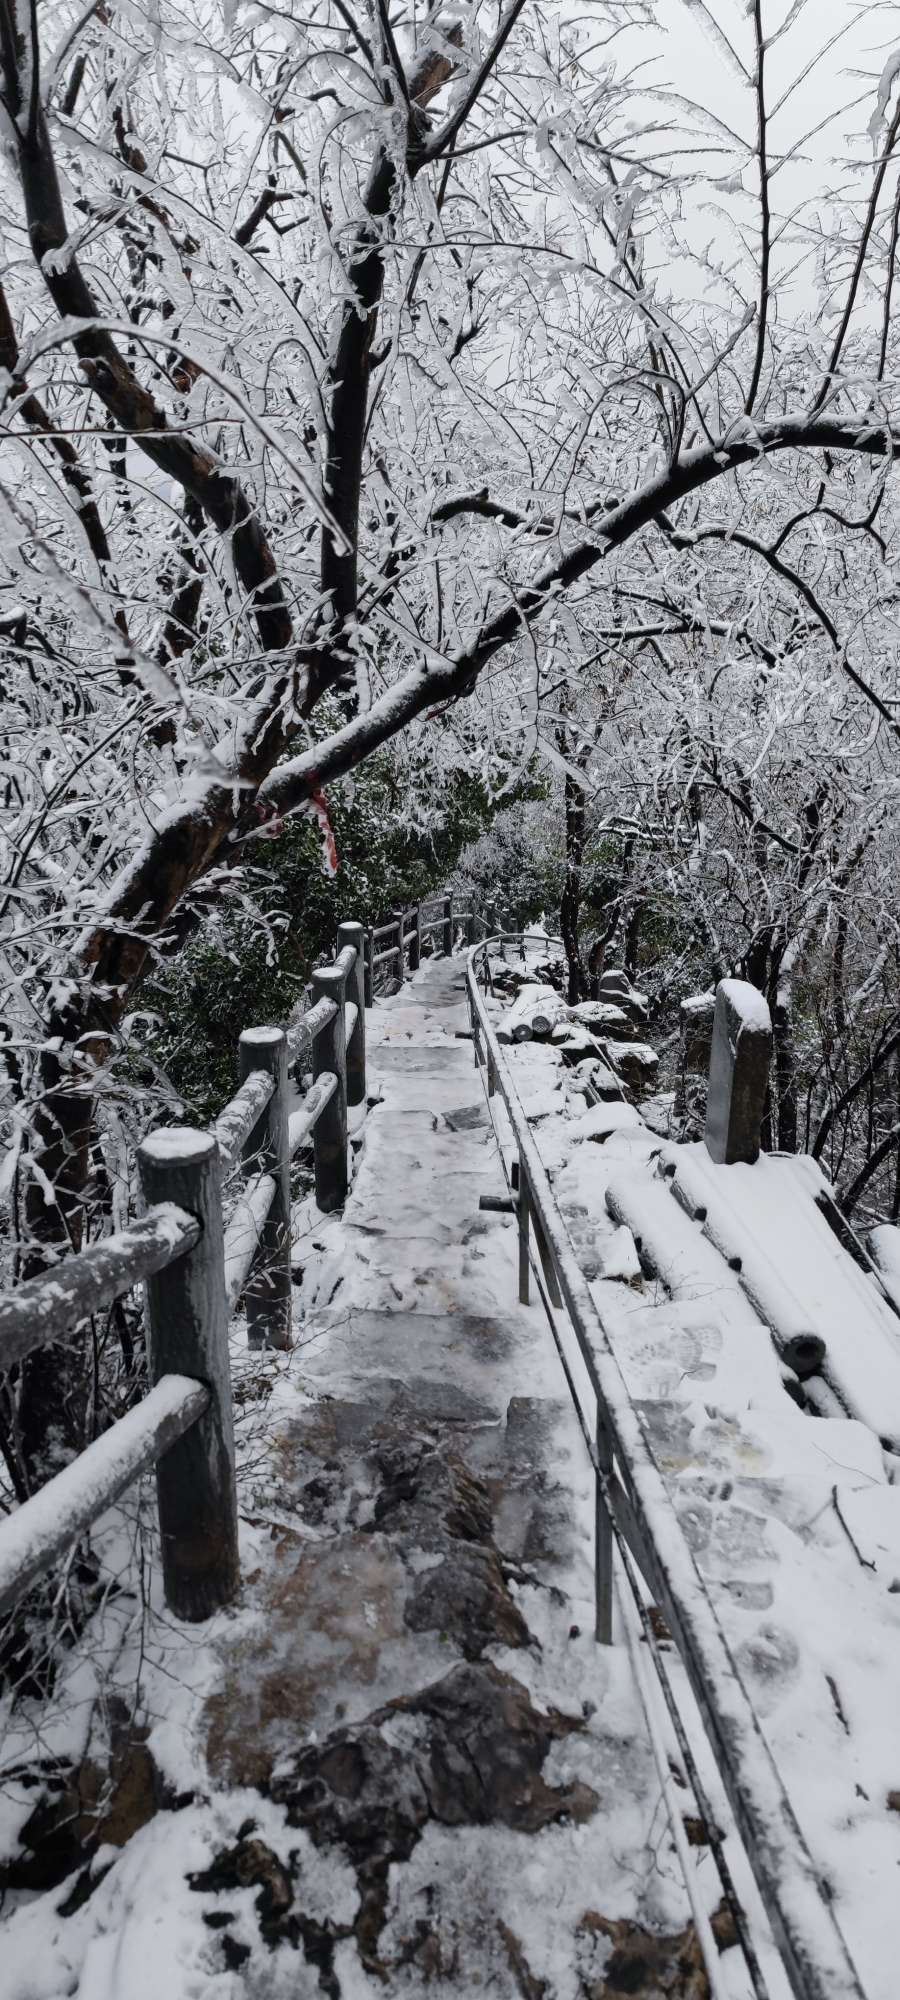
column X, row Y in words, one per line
column 250, row 962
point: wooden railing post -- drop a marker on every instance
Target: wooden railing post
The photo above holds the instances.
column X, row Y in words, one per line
column 603, row 1541
column 268, row 1292
column 448, row 926
column 330, row 1134
column 415, row 940
column 397, row 917
column 187, row 1334
column 369, row 970
column 354, row 935
column 491, row 919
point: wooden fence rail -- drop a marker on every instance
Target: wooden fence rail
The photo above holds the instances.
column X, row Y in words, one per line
column 406, row 930
column 195, row 1266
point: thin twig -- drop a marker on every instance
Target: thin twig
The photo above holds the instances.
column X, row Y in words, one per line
column 861, row 1559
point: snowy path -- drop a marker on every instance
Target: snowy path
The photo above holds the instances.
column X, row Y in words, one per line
column 399, row 1765
column 425, row 1626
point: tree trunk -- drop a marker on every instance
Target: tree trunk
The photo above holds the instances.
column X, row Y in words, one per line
column 785, row 1069
column 840, row 951
column 632, row 939
column 570, row 904
column 895, row 1199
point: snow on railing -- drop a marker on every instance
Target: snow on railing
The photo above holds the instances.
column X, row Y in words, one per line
column 406, row 930
column 195, row 1268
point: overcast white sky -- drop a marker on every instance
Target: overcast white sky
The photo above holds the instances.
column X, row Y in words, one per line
column 834, row 90
column 865, row 36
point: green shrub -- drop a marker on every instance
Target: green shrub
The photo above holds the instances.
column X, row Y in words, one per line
column 253, row 952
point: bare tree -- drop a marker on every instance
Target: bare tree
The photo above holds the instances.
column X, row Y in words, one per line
column 342, row 353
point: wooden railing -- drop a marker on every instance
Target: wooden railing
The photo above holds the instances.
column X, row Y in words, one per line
column 195, row 1267
column 397, row 944
column 633, row 1509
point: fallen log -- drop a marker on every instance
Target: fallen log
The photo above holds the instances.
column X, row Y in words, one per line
column 535, row 1013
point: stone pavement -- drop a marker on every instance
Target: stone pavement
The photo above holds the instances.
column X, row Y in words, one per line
column 415, row 1683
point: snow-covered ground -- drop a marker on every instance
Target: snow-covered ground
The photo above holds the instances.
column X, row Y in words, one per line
column 416, row 1519
column 400, row 1763
column 793, row 1517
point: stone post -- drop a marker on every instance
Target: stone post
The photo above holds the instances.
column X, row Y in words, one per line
column 738, row 1073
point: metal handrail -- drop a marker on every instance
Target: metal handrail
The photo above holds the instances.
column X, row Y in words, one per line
column 633, row 1503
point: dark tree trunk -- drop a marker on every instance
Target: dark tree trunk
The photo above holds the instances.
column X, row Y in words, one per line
column 348, row 382
column 840, row 950
column 785, row 1072
column 570, row 904
column 895, row 1203
column 756, row 962
column 877, row 1155
column 632, row 939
